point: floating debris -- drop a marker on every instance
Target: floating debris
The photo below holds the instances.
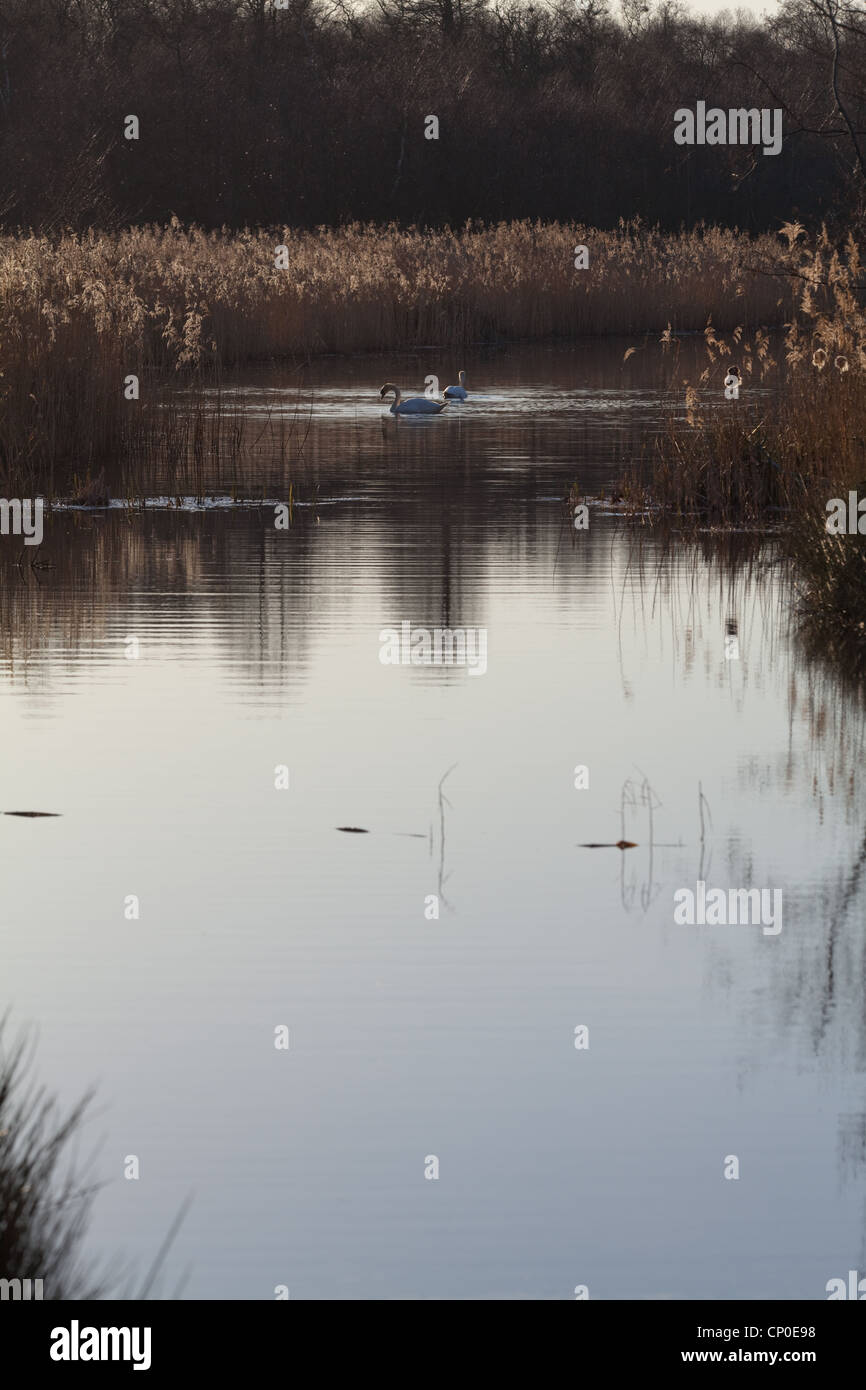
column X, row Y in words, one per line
column 620, row 844
column 399, row 834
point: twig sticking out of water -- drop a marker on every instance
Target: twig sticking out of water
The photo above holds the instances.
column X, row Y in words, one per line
column 702, row 802
column 443, row 802
column 164, row 1248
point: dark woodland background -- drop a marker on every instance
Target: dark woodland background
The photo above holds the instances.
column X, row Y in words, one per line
column 315, row 113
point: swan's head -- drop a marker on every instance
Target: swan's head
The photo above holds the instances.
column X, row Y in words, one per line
column 461, row 377
column 388, row 387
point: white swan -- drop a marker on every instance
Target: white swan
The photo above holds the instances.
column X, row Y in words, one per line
column 733, row 377
column 457, row 393
column 415, row 405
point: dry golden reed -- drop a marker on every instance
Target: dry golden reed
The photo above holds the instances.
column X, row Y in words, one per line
column 79, row 313
column 778, row 460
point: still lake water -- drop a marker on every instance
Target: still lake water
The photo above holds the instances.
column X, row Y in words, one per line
column 452, row 1037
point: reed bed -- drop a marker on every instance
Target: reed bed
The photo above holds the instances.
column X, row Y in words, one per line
column 45, row 1199
column 80, row 313
column 777, row 462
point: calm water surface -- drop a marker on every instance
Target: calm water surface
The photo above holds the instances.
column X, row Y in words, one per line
column 452, row 1037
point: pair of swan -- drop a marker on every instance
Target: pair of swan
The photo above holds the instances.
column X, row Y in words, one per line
column 424, row 405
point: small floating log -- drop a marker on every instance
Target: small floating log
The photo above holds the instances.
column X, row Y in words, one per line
column 619, row 844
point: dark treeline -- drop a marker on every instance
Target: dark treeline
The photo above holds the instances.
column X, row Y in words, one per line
column 315, row 112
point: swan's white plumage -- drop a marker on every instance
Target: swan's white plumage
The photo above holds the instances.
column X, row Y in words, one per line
column 457, row 393
column 415, row 405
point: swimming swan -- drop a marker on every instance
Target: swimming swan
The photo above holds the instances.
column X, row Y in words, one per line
column 415, row 405
column 457, row 393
